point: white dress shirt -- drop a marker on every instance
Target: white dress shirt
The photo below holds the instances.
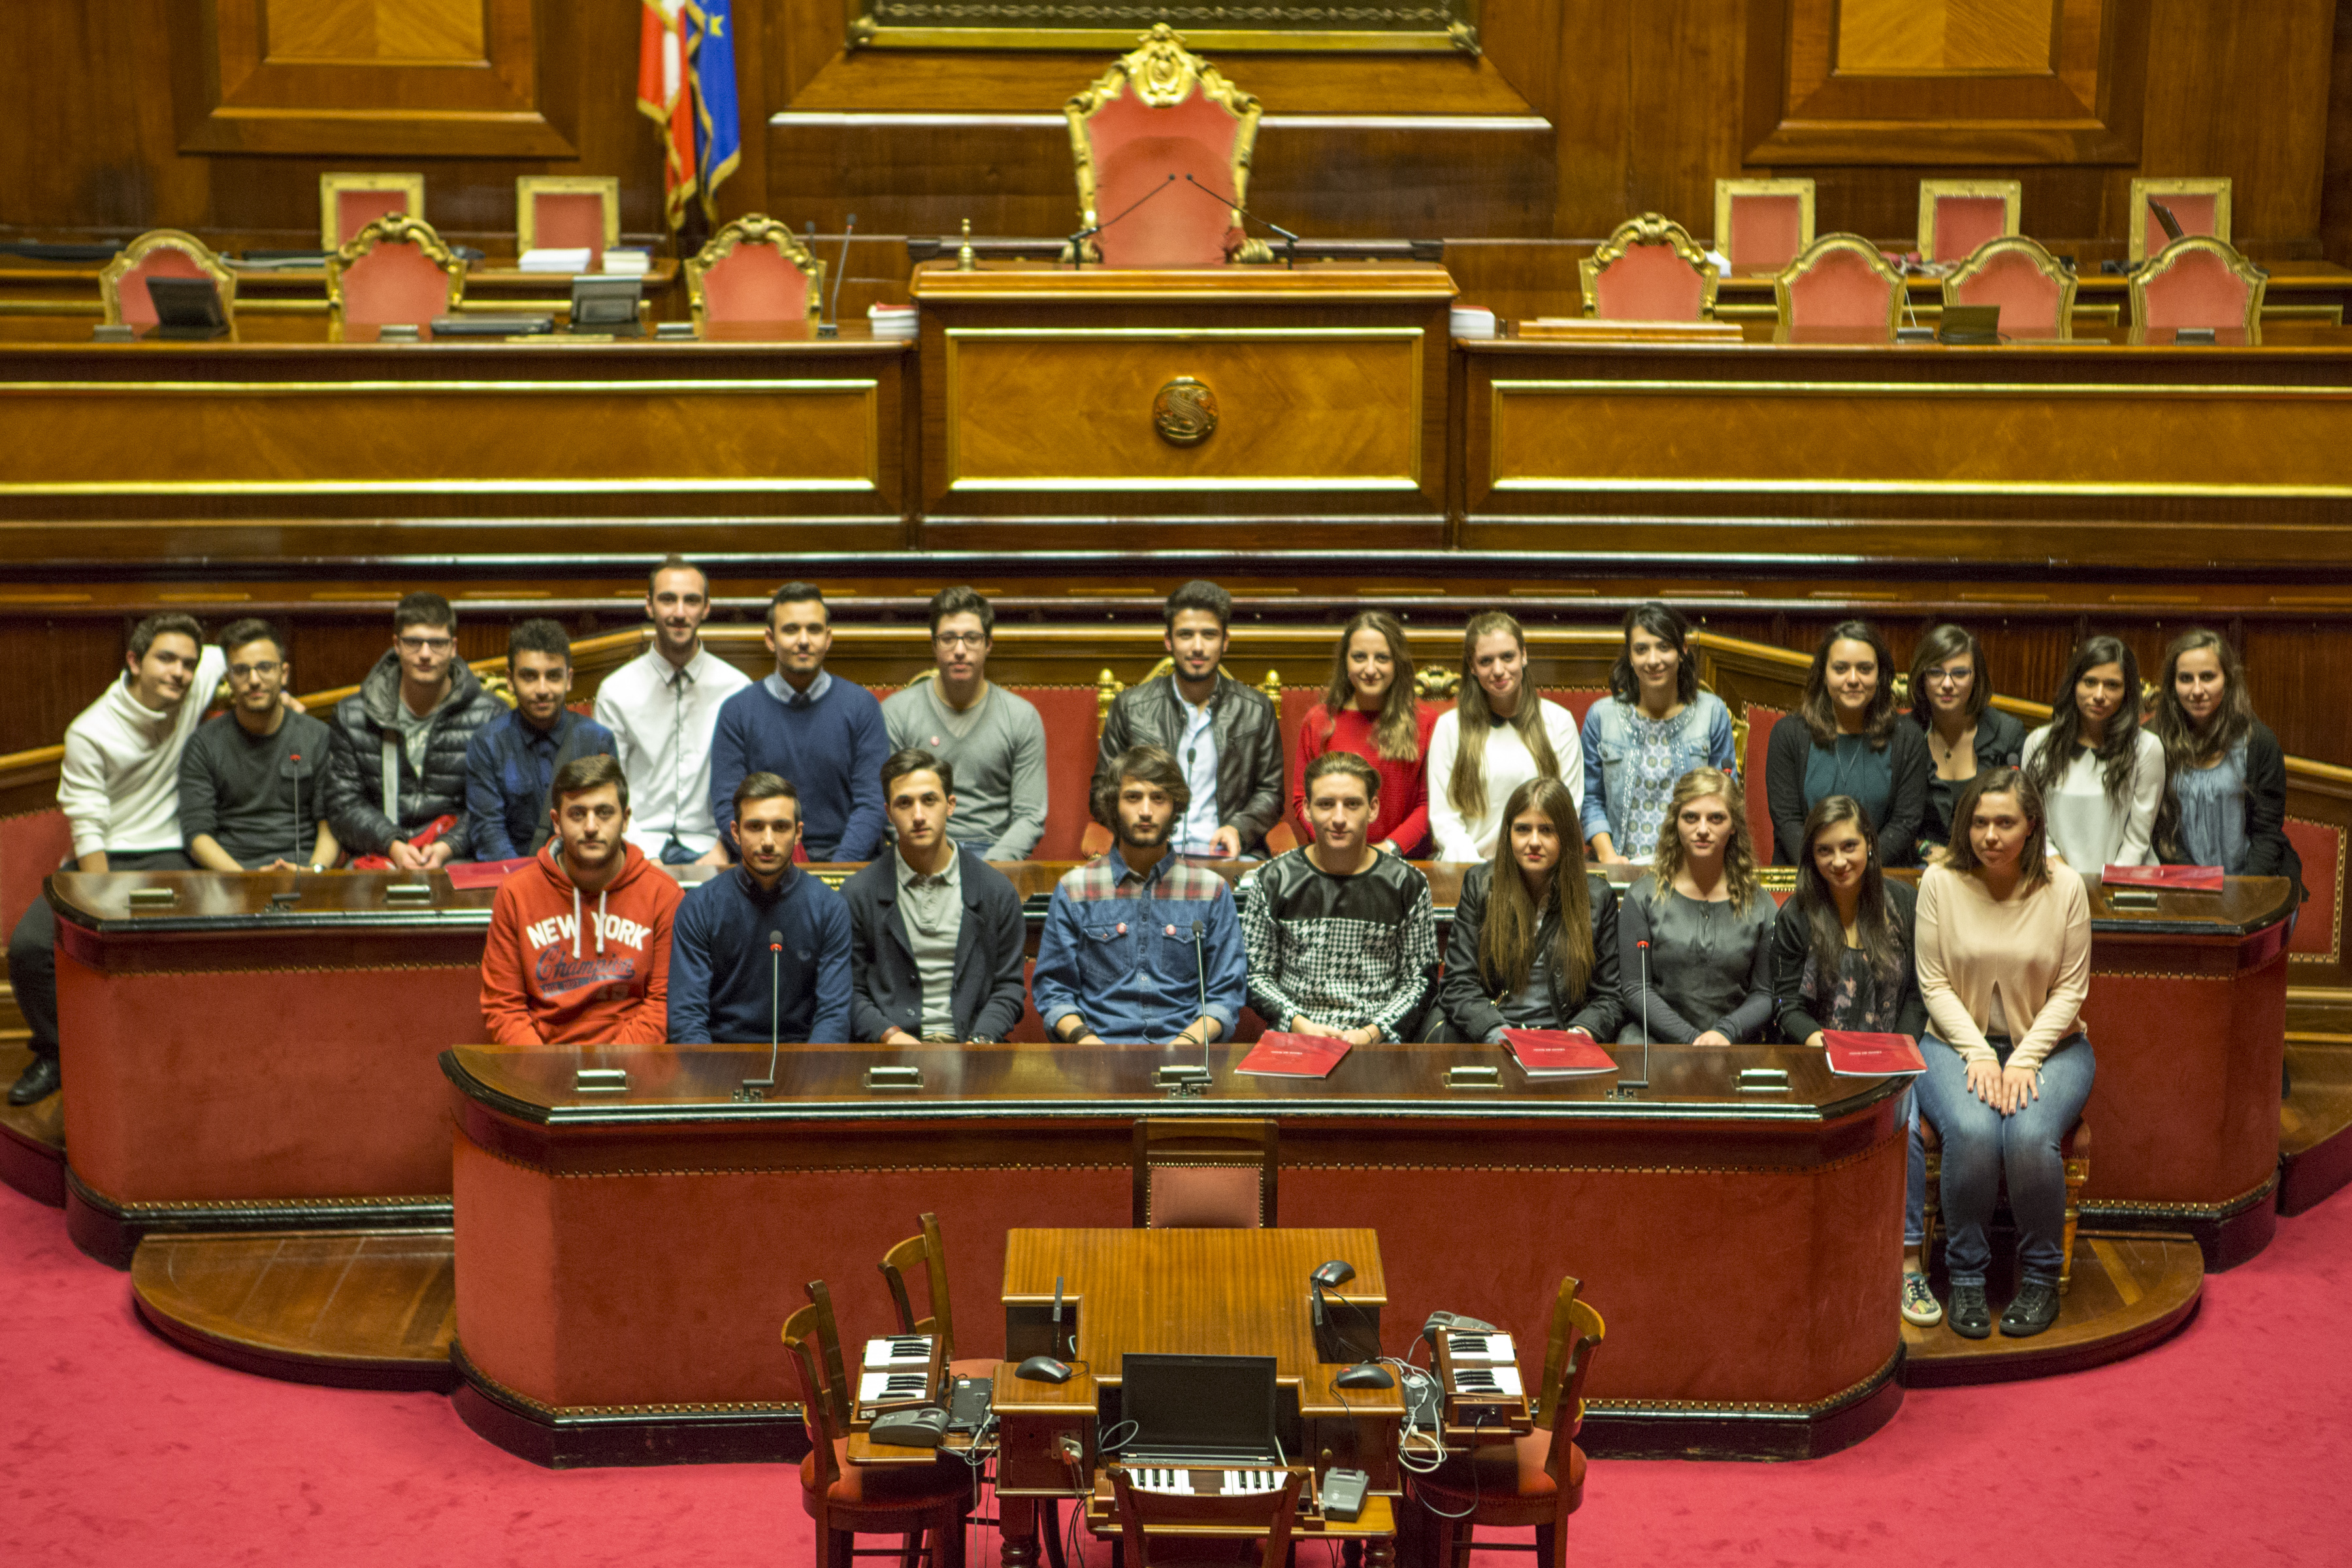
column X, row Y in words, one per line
column 1196, row 753
column 662, row 719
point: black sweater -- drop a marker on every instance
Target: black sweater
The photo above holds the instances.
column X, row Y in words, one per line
column 1793, row 943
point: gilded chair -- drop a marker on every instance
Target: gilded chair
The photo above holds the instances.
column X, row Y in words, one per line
column 159, row 253
column 754, row 269
column 2199, row 282
column 1169, row 1530
column 1763, row 223
column 1158, row 114
column 2198, row 206
column 1841, row 281
column 1212, row 1173
column 394, row 270
column 845, row 1500
column 567, row 212
column 349, row 202
column 1957, row 216
column 1538, row 1478
column 1648, row 270
column 2074, row 1149
column 2035, row 294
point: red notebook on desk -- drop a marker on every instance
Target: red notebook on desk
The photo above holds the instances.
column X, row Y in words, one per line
column 484, row 873
column 1855, row 1054
column 1294, row 1056
column 2177, row 878
column 1557, row 1053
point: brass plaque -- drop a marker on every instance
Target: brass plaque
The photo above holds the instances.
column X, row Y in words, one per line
column 1185, row 412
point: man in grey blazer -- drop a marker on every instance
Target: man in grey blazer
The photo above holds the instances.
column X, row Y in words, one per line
column 936, row 933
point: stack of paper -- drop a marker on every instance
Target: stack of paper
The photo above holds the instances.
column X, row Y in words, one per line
column 629, row 262
column 569, row 259
column 894, row 320
column 2173, row 879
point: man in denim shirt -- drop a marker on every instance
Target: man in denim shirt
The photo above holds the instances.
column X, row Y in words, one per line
column 512, row 760
column 1139, row 947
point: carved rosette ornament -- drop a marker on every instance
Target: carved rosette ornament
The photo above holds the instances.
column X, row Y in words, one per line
column 1185, row 412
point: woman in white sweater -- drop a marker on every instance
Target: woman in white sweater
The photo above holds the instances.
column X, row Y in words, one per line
column 2100, row 776
column 1499, row 735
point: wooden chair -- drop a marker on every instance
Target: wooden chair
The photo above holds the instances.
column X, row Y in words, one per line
column 926, row 1253
column 568, row 212
column 1763, row 223
column 394, row 270
column 349, row 202
column 755, row 270
column 1163, row 1530
column 1162, row 110
column 1648, row 269
column 2200, row 205
column 845, row 1500
column 1538, row 1479
column 1216, row 1173
column 159, row 253
column 2075, row 1147
column 1957, row 217
column 2199, row 282
column 2034, row 292
column 1840, row 282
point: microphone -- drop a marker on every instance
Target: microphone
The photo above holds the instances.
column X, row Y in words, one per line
column 292, row 768
column 1290, row 240
column 1201, row 974
column 1078, row 240
column 1624, row 1085
column 775, row 991
column 1329, row 1277
column 840, row 270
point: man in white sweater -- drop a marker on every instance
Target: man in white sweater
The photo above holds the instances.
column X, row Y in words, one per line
column 120, row 790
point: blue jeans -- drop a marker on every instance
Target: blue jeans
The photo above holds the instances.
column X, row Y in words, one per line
column 1915, row 1175
column 1979, row 1144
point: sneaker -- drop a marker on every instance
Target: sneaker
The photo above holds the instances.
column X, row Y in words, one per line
column 1919, row 1303
column 2035, row 1308
column 1971, row 1315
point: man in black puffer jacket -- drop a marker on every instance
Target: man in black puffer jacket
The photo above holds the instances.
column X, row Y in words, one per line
column 397, row 760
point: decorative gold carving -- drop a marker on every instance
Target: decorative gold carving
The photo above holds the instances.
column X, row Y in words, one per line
column 394, row 228
column 965, row 260
column 1650, row 228
column 1934, row 191
column 110, row 279
column 1440, row 26
column 754, row 228
column 1185, row 412
column 2043, row 262
column 528, row 188
column 1107, row 690
column 1163, row 73
column 1814, row 255
column 2256, row 279
column 331, row 186
column 1432, row 681
column 1272, row 686
column 2135, row 210
column 1725, row 190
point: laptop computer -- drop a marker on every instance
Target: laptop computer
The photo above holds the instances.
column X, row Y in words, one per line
column 1211, row 1412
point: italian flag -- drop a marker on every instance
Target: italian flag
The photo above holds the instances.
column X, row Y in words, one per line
column 663, row 97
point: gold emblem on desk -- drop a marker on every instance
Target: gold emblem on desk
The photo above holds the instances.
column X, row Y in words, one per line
column 1185, row 412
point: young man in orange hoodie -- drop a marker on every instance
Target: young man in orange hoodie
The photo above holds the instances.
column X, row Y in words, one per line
column 560, row 969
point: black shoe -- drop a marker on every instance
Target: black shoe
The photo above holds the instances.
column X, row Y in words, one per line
column 2035, row 1308
column 37, row 1083
column 1969, row 1314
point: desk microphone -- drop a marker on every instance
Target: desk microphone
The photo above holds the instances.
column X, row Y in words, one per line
column 1643, row 1081
column 775, row 991
column 1290, row 240
column 840, row 271
column 1201, row 974
column 292, row 768
column 1078, row 240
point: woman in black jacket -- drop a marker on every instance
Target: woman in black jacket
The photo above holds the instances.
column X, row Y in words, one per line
column 1951, row 701
column 1534, row 943
column 2225, row 774
column 1846, row 738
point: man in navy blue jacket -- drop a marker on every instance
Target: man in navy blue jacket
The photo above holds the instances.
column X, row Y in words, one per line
column 808, row 725
column 725, row 982
column 512, row 760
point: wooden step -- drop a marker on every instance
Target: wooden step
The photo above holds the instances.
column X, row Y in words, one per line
column 32, row 1137
column 2129, row 1292
column 2315, row 1121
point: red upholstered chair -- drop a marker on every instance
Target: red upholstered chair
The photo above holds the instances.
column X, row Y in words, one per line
column 349, row 202
column 2198, row 205
column 1751, row 728
column 1957, row 216
column 1169, row 1529
column 2320, row 845
column 567, row 212
column 159, row 253
column 1537, row 1479
column 1161, row 111
column 1648, row 270
column 1840, row 282
column 2035, row 294
column 394, row 270
column 925, row 1253
column 754, row 269
column 2075, row 1148
column 845, row 1500
column 2199, row 282
column 1216, row 1173
column 1763, row 223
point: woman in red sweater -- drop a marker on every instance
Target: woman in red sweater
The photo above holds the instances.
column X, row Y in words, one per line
column 1371, row 709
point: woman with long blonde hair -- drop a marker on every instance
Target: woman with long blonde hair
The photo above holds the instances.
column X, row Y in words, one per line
column 1534, row 943
column 1369, row 709
column 1500, row 734
column 1706, row 977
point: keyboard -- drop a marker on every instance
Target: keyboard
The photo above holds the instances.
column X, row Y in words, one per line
column 1484, row 1349
column 901, row 1350
column 1490, row 1380
column 1181, row 1481
column 893, row 1387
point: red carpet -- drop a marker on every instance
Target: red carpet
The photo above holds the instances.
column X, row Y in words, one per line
column 2231, row 1444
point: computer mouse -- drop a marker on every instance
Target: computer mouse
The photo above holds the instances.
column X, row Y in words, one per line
column 1043, row 1369
column 1371, row 1375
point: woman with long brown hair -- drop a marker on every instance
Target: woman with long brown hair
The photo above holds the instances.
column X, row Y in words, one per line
column 2225, row 788
column 1500, row 734
column 1707, row 979
column 1534, row 943
column 2099, row 773
column 1369, row 709
column 1845, row 738
column 1655, row 726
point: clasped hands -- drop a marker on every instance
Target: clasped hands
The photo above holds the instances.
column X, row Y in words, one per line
column 1366, row 1035
column 2008, row 1090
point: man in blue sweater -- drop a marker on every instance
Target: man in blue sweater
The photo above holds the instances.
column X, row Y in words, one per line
column 805, row 723
column 726, row 980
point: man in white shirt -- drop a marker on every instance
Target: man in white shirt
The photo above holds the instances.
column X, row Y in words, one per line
column 119, row 789
column 662, row 707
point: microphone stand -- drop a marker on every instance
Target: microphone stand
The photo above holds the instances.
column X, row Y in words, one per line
column 1290, row 240
column 751, row 1086
column 1201, row 974
column 1628, row 1089
column 292, row 768
column 1078, row 241
column 831, row 326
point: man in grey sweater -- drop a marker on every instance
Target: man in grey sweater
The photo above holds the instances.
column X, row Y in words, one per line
column 994, row 741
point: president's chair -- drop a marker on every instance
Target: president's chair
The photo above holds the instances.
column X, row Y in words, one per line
column 2199, row 204
column 159, row 253
column 1213, row 1173
column 1537, row 1479
column 1763, row 223
column 754, row 269
column 394, row 270
column 2199, row 282
column 349, row 202
column 2034, row 293
column 1160, row 114
column 1840, row 282
column 1169, row 1530
column 1648, row 269
column 1957, row 216
column 845, row 1500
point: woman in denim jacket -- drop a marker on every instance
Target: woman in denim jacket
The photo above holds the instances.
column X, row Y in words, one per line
column 1655, row 726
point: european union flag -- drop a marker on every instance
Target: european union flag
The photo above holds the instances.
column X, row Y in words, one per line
column 718, row 129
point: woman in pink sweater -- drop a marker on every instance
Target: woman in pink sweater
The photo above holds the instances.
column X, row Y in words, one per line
column 1371, row 709
column 2004, row 963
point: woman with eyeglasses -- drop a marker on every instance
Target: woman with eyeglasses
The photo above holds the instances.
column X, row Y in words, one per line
column 1951, row 701
column 1655, row 726
column 2099, row 773
column 1845, row 737
column 1369, row 709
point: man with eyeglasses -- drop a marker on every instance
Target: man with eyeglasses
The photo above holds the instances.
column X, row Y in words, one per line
column 251, row 781
column 396, row 769
column 992, row 740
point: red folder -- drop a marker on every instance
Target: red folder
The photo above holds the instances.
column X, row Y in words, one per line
column 1855, row 1055
column 1294, row 1056
column 2178, row 879
column 1557, row 1053
column 484, row 873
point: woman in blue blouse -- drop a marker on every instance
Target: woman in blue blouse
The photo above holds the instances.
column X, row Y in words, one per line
column 1655, row 726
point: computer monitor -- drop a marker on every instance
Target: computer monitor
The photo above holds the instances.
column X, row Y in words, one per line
column 1209, row 1409
column 606, row 305
column 186, row 307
